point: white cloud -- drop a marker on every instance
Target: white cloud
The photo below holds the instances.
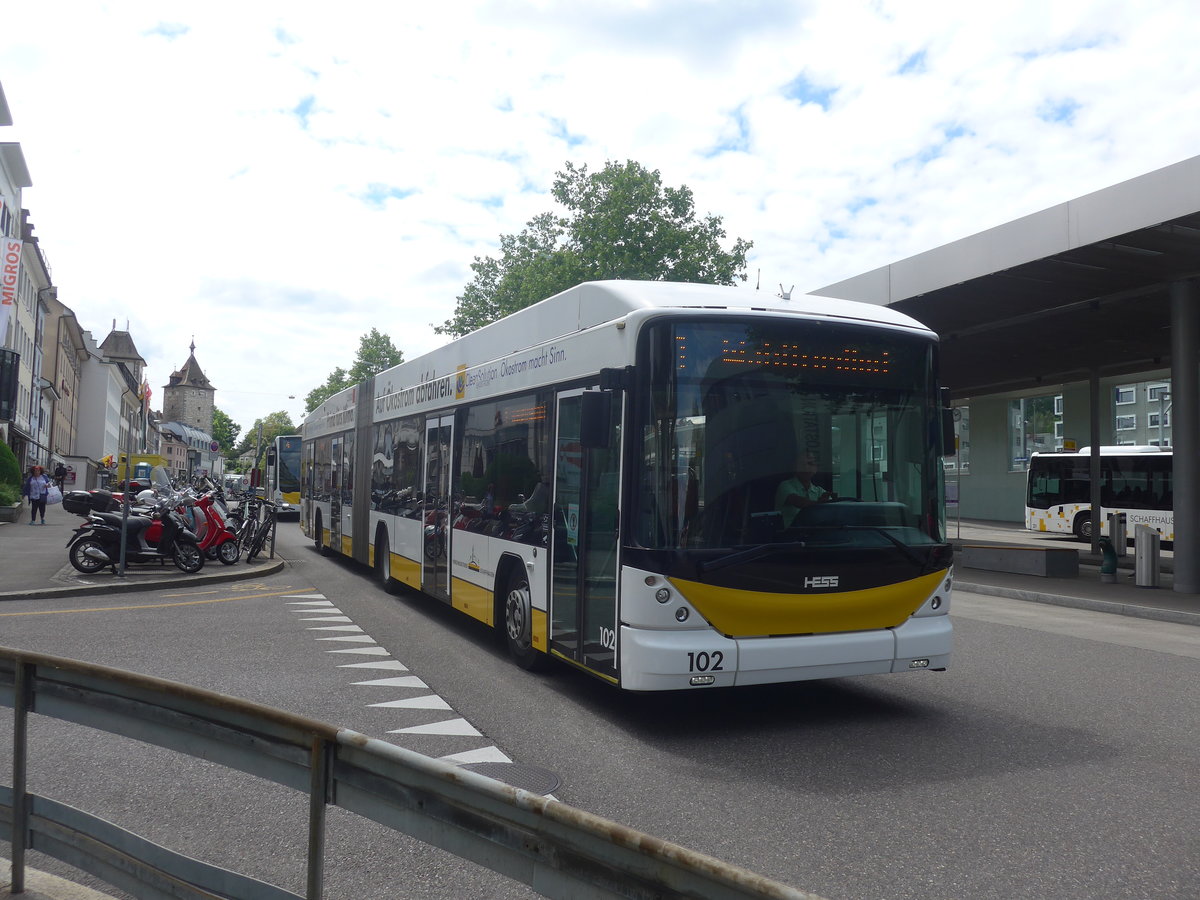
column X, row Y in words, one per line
column 276, row 179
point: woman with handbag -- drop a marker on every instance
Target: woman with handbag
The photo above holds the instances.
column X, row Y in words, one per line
column 36, row 487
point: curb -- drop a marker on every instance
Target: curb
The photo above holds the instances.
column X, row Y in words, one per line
column 117, row 586
column 1134, row 610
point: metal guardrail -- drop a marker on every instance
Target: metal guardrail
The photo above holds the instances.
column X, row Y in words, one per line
column 554, row 848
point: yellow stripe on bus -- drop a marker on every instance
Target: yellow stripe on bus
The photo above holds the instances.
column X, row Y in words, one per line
column 472, row 599
column 739, row 613
column 407, row 571
column 538, row 635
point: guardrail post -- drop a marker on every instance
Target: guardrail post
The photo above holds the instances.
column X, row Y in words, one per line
column 22, row 686
column 318, row 795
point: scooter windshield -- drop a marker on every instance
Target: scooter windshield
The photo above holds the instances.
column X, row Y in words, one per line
column 160, row 481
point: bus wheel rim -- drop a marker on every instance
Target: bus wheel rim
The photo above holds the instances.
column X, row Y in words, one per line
column 517, row 614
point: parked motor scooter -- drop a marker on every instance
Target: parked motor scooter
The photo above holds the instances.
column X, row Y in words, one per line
column 217, row 539
column 160, row 537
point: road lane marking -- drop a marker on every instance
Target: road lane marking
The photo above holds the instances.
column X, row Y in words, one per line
column 58, row 612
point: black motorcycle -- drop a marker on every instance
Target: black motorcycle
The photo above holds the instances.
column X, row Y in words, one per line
column 160, row 537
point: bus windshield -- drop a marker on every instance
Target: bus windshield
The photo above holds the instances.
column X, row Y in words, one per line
column 800, row 433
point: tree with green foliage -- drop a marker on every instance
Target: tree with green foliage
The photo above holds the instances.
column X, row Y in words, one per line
column 10, row 477
column 376, row 352
column 621, row 222
column 273, row 426
column 10, row 469
column 225, row 431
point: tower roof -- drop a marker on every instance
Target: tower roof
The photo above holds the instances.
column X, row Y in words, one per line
column 190, row 374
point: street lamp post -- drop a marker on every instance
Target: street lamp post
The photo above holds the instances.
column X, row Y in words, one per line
column 1163, row 407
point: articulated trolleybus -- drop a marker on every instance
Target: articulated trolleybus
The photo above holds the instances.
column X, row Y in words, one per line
column 609, row 478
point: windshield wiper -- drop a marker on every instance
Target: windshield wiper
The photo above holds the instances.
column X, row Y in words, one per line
column 903, row 547
column 749, row 555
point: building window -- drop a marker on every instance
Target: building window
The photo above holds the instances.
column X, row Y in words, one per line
column 1157, row 421
column 1030, row 430
column 1158, row 392
column 1125, row 394
column 1126, row 423
column 1058, row 405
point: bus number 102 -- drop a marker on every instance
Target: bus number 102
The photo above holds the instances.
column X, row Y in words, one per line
column 706, row 662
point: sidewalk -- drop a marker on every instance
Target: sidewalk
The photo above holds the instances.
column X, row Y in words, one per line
column 1086, row 591
column 33, row 563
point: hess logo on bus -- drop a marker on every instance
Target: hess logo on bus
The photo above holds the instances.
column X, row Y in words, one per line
column 821, row 581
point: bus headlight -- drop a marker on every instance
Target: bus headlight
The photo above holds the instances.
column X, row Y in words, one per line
column 662, row 595
column 681, row 614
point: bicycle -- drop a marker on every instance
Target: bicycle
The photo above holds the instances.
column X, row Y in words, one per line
column 269, row 511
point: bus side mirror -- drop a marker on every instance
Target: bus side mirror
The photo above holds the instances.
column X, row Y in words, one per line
column 949, row 446
column 595, row 419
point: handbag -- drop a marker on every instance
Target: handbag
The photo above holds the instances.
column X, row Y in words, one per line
column 53, row 494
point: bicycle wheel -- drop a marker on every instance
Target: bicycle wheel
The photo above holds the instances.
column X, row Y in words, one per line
column 259, row 539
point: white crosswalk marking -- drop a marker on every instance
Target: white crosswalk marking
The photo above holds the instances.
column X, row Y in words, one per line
column 483, row 754
column 350, row 638
column 317, row 608
column 450, row 726
column 429, row 701
column 401, row 681
column 393, row 664
column 370, row 651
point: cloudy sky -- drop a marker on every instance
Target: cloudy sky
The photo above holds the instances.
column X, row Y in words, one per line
column 275, row 179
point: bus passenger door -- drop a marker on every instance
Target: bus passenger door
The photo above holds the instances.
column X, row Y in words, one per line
column 337, row 477
column 583, row 601
column 439, row 434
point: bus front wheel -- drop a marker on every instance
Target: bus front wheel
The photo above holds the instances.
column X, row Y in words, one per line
column 518, row 623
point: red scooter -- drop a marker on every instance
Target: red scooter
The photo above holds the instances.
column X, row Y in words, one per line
column 217, row 539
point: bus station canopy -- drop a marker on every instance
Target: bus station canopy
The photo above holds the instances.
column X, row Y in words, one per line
column 1047, row 298
column 1104, row 285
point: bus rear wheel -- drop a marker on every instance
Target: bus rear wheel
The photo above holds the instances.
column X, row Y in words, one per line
column 383, row 572
column 518, row 623
column 319, row 536
column 1083, row 526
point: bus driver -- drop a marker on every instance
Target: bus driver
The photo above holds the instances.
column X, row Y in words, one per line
column 799, row 491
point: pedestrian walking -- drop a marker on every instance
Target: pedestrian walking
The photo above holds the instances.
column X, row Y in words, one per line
column 36, row 488
column 60, row 475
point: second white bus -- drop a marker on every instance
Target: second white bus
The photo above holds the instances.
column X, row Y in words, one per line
column 1136, row 481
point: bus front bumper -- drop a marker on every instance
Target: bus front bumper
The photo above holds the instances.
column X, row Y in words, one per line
column 679, row 660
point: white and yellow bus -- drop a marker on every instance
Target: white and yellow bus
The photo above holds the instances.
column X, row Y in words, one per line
column 283, row 473
column 1134, row 480
column 599, row 478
